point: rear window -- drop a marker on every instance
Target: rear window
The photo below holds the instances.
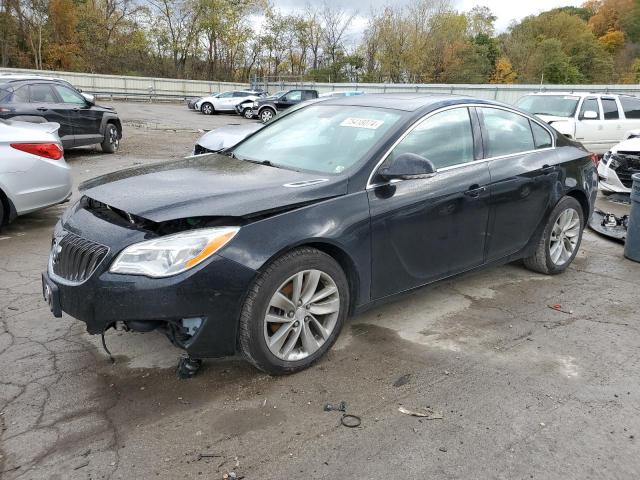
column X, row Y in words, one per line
column 631, row 106
column 4, row 94
column 610, row 109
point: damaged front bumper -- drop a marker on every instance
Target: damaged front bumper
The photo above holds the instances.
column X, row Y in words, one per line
column 198, row 309
column 609, row 225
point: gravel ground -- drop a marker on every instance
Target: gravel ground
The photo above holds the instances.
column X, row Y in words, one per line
column 525, row 391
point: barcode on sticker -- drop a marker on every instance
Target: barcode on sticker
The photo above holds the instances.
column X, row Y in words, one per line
column 361, row 123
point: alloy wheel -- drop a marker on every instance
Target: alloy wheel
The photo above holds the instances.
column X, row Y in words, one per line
column 301, row 315
column 248, row 113
column 266, row 115
column 564, row 236
column 113, row 138
column 207, row 109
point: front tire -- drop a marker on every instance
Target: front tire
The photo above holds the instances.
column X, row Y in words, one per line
column 266, row 115
column 560, row 240
column 111, row 141
column 207, row 108
column 294, row 312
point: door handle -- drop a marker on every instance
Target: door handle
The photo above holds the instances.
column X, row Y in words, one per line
column 547, row 169
column 475, row 191
column 42, row 109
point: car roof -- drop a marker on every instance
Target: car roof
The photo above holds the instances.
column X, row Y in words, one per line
column 408, row 102
column 571, row 94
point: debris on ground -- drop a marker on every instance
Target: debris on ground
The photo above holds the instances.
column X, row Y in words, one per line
column 558, row 308
column 350, row 421
column 443, row 449
column 82, row 465
column 340, row 407
column 403, row 380
column 426, row 413
column 208, row 455
column 610, row 225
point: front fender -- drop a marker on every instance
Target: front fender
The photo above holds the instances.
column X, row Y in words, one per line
column 109, row 117
column 341, row 223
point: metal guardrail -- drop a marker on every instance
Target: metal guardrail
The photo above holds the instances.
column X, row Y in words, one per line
column 168, row 89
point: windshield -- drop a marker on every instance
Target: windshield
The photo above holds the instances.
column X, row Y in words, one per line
column 319, row 138
column 279, row 94
column 555, row 105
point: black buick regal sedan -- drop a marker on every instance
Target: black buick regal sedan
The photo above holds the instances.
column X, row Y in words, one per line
column 267, row 248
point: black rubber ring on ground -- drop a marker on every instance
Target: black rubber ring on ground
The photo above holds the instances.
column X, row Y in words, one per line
column 350, row 421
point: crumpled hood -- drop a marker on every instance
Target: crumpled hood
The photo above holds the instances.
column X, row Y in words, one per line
column 630, row 145
column 227, row 136
column 212, row 185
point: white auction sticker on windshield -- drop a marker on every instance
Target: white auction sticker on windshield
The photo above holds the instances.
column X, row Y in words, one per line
column 361, row 123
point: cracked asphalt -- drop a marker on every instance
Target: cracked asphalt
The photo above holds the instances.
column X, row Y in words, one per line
column 525, row 391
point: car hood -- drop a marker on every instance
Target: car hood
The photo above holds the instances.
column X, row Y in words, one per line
column 630, row 145
column 212, row 185
column 228, row 136
column 552, row 118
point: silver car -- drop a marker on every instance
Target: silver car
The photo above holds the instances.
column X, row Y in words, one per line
column 33, row 172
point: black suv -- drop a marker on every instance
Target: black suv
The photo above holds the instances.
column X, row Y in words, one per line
column 39, row 99
column 267, row 108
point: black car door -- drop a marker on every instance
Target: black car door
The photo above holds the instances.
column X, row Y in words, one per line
column 46, row 103
column 423, row 230
column 292, row 98
column 84, row 119
column 522, row 163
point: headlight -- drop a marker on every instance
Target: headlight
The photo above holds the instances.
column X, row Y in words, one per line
column 173, row 254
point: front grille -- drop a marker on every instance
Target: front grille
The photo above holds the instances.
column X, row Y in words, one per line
column 75, row 258
column 629, row 164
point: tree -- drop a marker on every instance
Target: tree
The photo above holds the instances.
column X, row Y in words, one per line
column 504, row 72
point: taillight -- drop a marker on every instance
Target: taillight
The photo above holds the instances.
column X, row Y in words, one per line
column 595, row 159
column 52, row 151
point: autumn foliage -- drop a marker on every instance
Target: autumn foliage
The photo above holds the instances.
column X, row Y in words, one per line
column 419, row 42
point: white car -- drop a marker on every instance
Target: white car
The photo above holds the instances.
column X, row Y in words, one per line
column 33, row 173
column 597, row 120
column 619, row 163
column 225, row 102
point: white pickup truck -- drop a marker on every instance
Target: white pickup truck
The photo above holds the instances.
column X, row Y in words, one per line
column 597, row 120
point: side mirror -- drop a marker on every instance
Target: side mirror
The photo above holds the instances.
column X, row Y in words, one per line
column 590, row 115
column 407, row 166
column 89, row 98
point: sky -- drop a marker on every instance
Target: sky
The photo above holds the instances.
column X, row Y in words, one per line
column 505, row 10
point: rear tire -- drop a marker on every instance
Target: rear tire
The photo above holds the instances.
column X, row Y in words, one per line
column 311, row 318
column 207, row 108
column 247, row 113
column 111, row 141
column 560, row 239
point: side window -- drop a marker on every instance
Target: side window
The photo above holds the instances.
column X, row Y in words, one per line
column 589, row 105
column 226, row 95
column 541, row 137
column 69, row 96
column 631, row 107
column 240, row 94
column 610, row 109
column 445, row 138
column 42, row 93
column 295, row 96
column 508, row 132
column 21, row 95
column 308, row 95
